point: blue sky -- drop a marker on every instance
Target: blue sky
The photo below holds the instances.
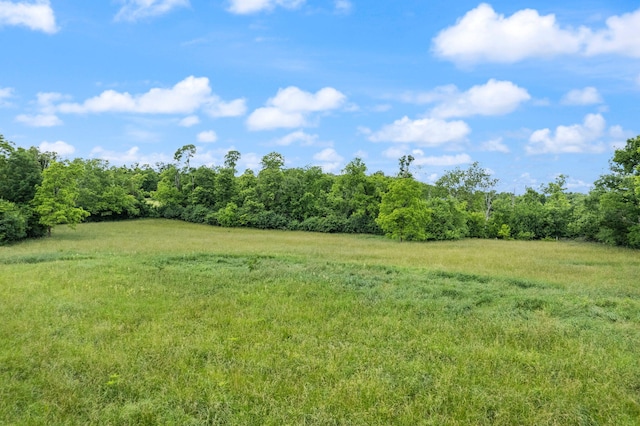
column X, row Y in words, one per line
column 528, row 89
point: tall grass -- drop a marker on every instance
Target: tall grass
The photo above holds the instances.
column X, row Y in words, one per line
column 157, row 322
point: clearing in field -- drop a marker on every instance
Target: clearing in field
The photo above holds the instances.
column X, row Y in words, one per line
column 159, row 322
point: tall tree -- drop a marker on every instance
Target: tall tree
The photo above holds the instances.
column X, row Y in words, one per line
column 185, row 153
column 270, row 179
column 20, row 172
column 405, row 163
column 619, row 198
column 55, row 198
column 403, row 211
column 475, row 186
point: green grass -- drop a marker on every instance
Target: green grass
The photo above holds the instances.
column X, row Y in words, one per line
column 159, row 322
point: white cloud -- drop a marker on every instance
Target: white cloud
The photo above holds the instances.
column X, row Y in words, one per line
column 421, row 160
column 37, row 15
column 443, row 161
column 292, row 99
column 291, row 107
column 273, row 118
column 495, row 145
column 576, row 138
column 395, row 152
column 426, row 131
column 185, row 97
column 189, row 121
column 305, row 139
column 130, row 156
column 586, row 96
column 251, row 161
column 46, row 101
column 482, row 35
column 39, row 120
column 207, row 137
column 243, row 7
column 134, row 10
column 46, row 116
column 622, row 36
column 60, row 147
column 5, row 93
column 217, row 108
column 329, row 160
column 493, row 98
column 343, row 7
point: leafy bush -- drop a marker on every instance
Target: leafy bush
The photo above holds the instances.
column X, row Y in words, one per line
column 171, row 211
column 13, row 224
column 328, row 224
column 524, row 235
column 195, row 213
column 448, row 219
column 504, row 232
column 228, row 216
column 270, row 220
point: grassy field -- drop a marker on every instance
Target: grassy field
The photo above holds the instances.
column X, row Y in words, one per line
column 160, row 322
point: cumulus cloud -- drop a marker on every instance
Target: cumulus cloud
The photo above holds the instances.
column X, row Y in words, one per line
column 189, row 121
column 482, row 35
column 60, row 147
column 621, row 36
column 420, row 159
column 426, row 131
column 586, row 96
column 244, row 7
column 37, row 16
column 39, row 120
column 292, row 99
column 495, row 145
column 292, row 106
column 46, row 116
column 273, row 118
column 329, row 160
column 207, row 136
column 185, row 97
column 216, row 107
column 577, row 138
column 5, row 93
column 298, row 136
column 134, row 10
column 493, row 98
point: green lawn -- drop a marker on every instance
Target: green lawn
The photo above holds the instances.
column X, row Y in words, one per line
column 161, row 322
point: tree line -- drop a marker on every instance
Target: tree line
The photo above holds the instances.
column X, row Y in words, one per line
column 39, row 191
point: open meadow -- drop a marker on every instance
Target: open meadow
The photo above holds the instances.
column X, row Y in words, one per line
column 165, row 322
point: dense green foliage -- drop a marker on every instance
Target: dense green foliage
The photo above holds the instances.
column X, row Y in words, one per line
column 155, row 322
column 462, row 203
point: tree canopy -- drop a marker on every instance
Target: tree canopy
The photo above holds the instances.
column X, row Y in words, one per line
column 38, row 193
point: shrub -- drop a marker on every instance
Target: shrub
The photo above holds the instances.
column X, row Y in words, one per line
column 504, row 232
column 228, row 216
column 13, row 224
column 270, row 220
column 195, row 213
